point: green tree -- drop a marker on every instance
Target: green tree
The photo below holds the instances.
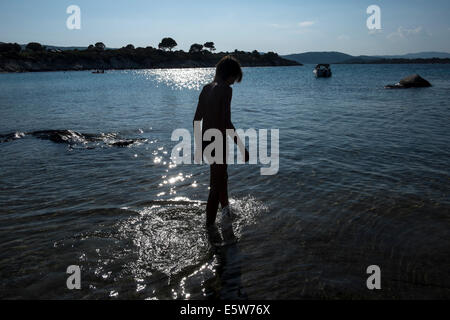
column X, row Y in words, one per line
column 100, row 46
column 34, row 46
column 167, row 43
column 210, row 46
column 271, row 54
column 10, row 47
column 195, row 48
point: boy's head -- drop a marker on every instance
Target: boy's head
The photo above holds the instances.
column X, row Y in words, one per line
column 229, row 70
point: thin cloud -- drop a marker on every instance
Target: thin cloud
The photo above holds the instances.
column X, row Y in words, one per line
column 278, row 26
column 343, row 37
column 375, row 31
column 305, row 24
column 404, row 33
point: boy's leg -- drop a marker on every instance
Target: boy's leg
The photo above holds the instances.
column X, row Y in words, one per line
column 218, row 191
column 223, row 195
column 213, row 198
column 211, row 207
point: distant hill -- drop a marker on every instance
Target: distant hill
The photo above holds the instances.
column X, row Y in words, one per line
column 419, row 55
column 399, row 61
column 58, row 47
column 339, row 57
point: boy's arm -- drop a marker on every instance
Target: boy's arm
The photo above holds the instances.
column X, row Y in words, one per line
column 200, row 110
column 199, row 114
column 229, row 124
column 227, row 109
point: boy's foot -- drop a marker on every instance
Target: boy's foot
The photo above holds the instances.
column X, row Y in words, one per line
column 226, row 213
column 213, row 234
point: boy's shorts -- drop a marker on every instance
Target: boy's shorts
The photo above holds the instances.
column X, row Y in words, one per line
column 213, row 153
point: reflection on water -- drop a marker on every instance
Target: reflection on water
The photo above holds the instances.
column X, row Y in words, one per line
column 192, row 79
column 162, row 252
column 87, row 179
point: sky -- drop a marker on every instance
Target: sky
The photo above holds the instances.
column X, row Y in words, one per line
column 290, row 26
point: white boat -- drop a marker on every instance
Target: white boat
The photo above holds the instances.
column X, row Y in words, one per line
column 322, row 70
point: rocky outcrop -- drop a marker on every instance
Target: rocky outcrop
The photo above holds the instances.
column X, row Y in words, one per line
column 118, row 59
column 412, row 81
column 73, row 138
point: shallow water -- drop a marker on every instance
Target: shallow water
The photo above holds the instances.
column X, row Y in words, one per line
column 363, row 180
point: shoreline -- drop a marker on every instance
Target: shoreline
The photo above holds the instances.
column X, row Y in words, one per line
column 127, row 59
column 203, row 67
column 131, row 69
column 398, row 61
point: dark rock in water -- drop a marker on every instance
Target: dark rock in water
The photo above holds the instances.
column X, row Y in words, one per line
column 73, row 138
column 11, row 136
column 60, row 136
column 412, row 81
column 123, row 143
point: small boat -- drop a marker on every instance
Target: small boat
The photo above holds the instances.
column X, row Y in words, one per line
column 99, row 71
column 322, row 70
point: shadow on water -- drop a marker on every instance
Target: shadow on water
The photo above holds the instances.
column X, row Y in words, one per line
column 229, row 260
column 219, row 276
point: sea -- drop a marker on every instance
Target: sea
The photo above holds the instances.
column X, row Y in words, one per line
column 87, row 182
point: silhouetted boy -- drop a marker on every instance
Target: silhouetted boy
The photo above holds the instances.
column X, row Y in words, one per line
column 214, row 108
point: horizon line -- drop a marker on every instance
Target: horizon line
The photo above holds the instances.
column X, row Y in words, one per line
column 281, row 54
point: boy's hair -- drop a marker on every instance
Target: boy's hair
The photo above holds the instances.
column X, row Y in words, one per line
column 227, row 67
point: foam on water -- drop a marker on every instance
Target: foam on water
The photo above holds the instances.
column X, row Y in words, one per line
column 171, row 238
column 153, row 252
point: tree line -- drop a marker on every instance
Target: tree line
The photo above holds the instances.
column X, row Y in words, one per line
column 169, row 44
column 165, row 44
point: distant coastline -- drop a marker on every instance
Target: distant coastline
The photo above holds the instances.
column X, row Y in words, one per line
column 36, row 58
column 126, row 58
column 334, row 57
column 398, row 61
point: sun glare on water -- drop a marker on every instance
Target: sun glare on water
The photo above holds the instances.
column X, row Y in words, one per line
column 189, row 78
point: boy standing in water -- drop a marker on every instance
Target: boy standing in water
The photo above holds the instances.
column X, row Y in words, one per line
column 214, row 108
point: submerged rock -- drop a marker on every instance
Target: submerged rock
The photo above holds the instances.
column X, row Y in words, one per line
column 60, row 136
column 412, row 81
column 11, row 136
column 123, row 143
column 73, row 138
